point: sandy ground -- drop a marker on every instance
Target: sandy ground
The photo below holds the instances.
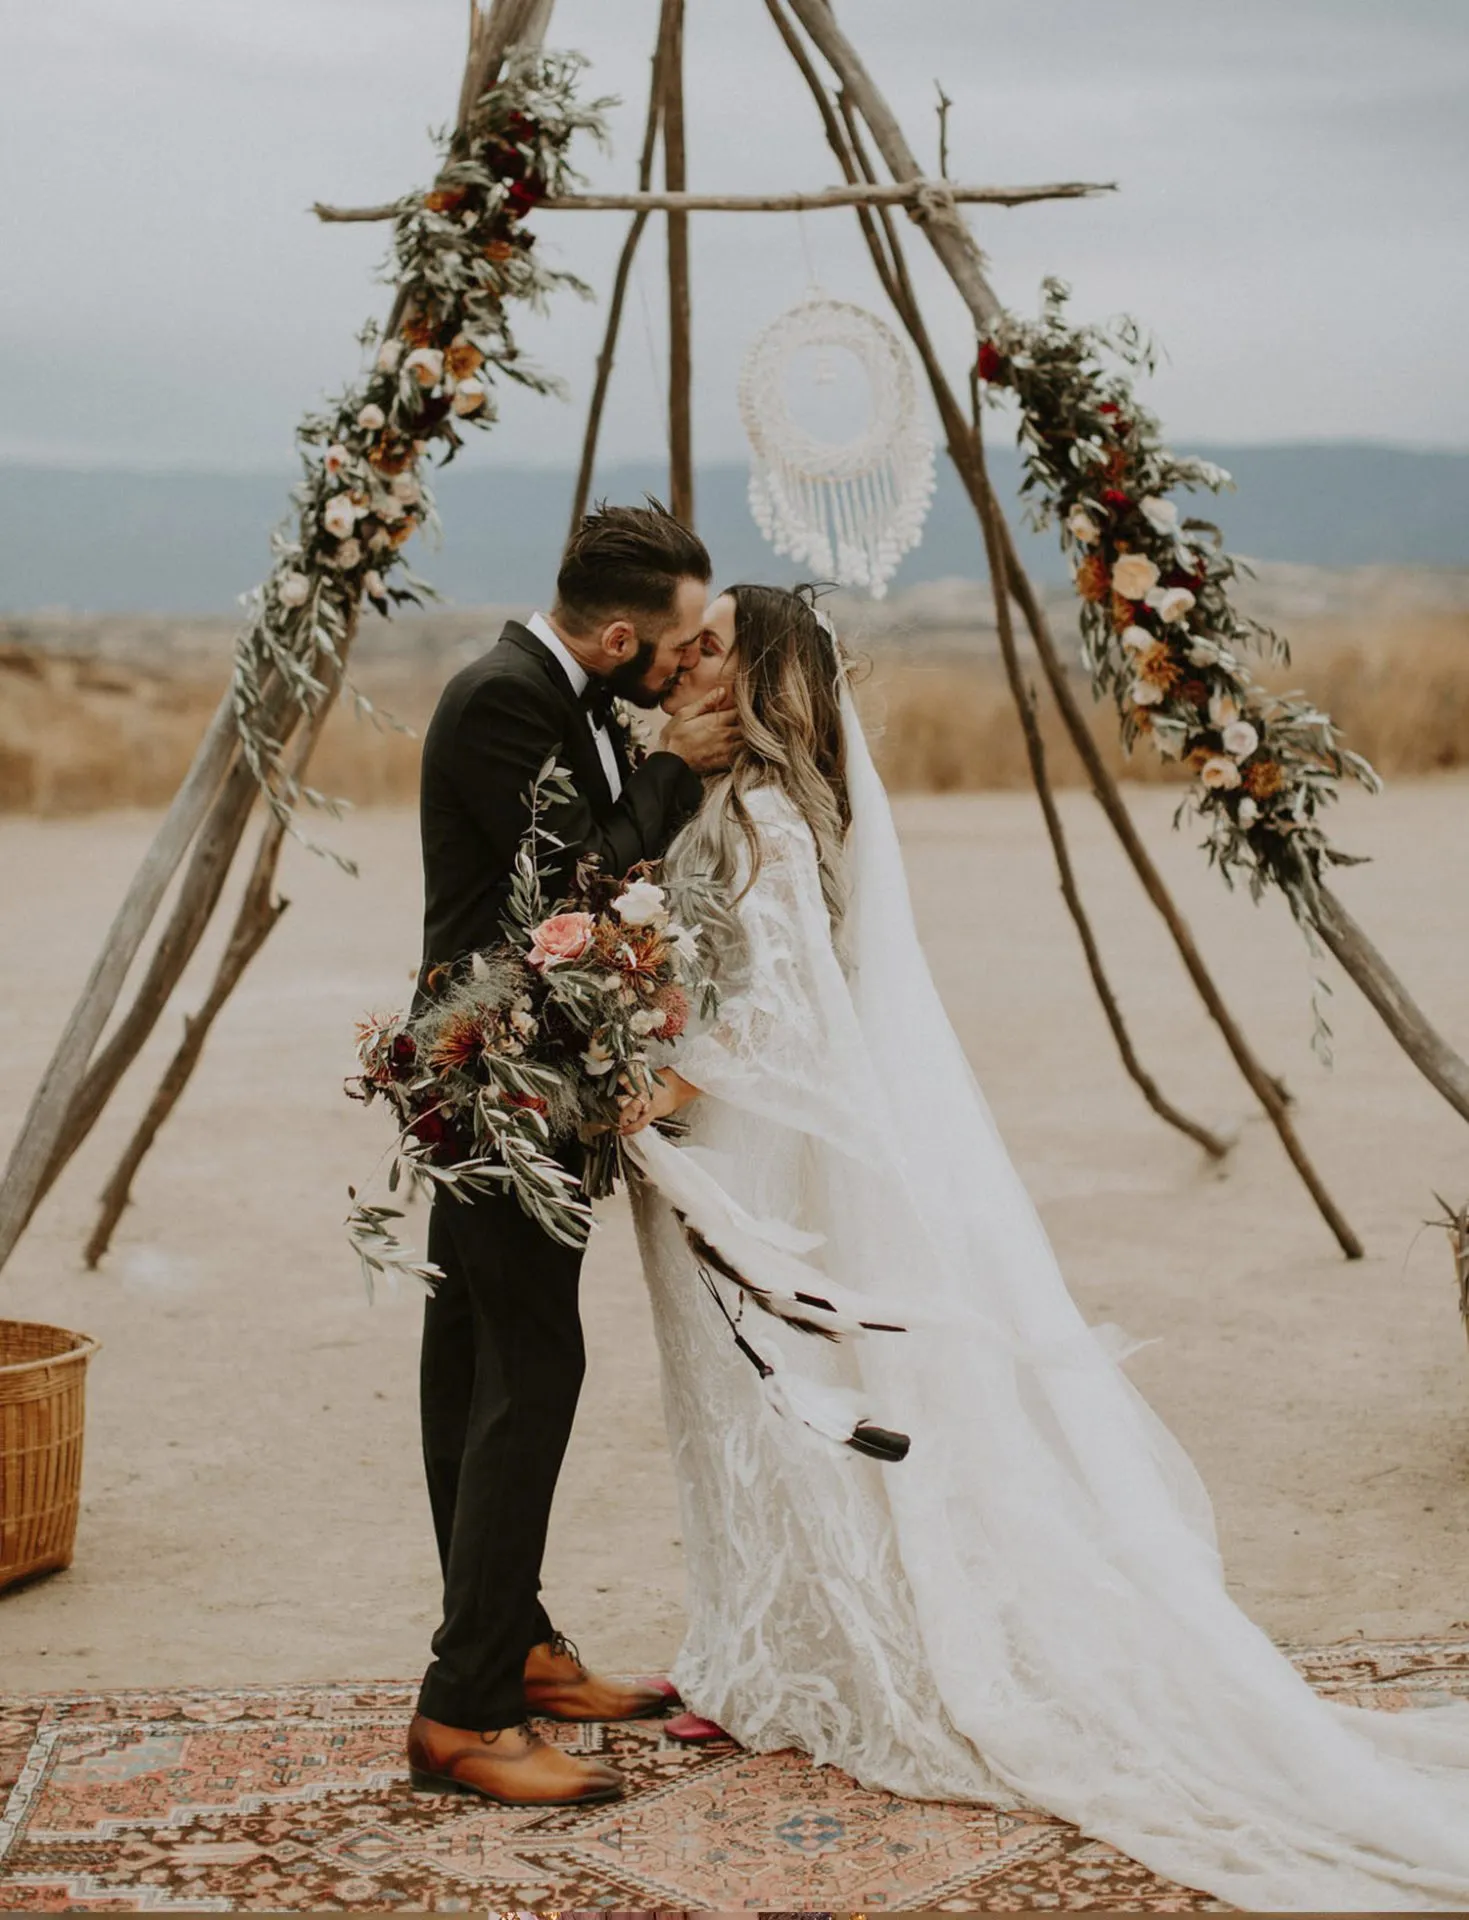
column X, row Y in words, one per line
column 253, row 1509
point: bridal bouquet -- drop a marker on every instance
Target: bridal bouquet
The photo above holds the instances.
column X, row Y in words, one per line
column 533, row 1043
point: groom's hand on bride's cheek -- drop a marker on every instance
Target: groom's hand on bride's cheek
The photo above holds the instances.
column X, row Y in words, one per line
column 706, row 734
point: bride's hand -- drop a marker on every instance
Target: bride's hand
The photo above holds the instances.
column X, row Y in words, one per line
column 670, row 1092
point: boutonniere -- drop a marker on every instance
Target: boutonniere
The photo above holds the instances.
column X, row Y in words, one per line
column 624, row 718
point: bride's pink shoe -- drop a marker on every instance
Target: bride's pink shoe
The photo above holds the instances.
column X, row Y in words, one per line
column 694, row 1732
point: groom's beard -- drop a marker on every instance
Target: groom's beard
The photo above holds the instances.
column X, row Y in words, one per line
column 629, row 681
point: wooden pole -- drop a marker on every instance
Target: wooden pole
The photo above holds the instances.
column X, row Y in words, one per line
column 961, row 448
column 892, row 271
column 680, row 351
column 618, row 296
column 1444, row 1068
column 30, row 1167
column 46, row 1117
column 254, row 923
column 1025, row 705
column 1410, row 1027
column 857, row 194
column 198, row 894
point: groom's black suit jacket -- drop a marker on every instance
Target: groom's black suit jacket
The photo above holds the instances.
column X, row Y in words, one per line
column 495, row 724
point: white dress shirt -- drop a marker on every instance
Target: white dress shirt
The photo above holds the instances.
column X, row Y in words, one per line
column 577, row 674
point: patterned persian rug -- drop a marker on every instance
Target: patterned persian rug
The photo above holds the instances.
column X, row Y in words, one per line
column 297, row 1798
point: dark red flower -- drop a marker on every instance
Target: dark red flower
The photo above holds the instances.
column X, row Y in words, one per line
column 522, row 195
column 402, row 1053
column 520, row 126
column 991, row 362
column 431, row 1128
column 1108, row 406
column 1115, row 497
column 1180, row 577
column 531, row 1100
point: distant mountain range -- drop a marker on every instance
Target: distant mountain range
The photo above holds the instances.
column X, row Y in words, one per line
column 119, row 542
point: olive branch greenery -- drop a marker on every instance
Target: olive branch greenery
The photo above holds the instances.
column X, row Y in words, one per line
column 1161, row 634
column 460, row 254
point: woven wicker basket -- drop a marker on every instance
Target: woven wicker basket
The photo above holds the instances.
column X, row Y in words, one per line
column 43, row 1374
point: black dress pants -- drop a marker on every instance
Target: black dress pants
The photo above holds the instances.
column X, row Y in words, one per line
column 501, row 1370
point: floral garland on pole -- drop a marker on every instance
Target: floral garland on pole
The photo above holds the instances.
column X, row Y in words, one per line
column 460, row 253
column 1159, row 630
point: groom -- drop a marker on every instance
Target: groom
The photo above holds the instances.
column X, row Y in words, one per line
column 503, row 1358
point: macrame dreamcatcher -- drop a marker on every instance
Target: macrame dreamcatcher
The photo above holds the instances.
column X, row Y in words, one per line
column 849, row 509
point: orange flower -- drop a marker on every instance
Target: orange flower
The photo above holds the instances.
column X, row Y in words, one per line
column 446, row 199
column 1158, row 667
column 1264, row 778
column 639, row 952
column 499, row 251
column 390, row 453
column 460, row 1043
column 419, row 330
column 462, row 358
column 1123, row 613
column 402, row 531
column 1092, row 581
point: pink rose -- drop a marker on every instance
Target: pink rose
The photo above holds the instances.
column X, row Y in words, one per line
column 565, row 936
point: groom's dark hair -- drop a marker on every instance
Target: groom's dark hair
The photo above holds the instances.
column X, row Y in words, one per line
column 625, row 560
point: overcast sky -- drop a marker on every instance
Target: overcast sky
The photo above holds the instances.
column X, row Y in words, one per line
column 1291, row 220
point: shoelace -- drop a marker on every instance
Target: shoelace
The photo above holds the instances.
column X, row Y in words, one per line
column 560, row 1644
column 491, row 1734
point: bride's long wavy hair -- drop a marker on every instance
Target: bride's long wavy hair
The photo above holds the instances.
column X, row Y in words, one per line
column 786, row 687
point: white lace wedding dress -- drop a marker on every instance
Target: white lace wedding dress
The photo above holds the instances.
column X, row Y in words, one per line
column 1030, row 1607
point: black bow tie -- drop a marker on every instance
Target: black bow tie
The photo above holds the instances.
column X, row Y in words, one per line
column 596, row 699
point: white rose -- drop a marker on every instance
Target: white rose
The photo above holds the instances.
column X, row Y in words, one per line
column 348, row 554
column 335, row 458
column 372, row 584
column 1248, row 813
column 380, row 538
column 641, row 905
column 1136, row 639
column 1161, row 515
column 388, row 356
column 1223, row 708
column 292, row 588
column 1145, row 694
column 339, row 516
column 469, row 397
column 648, row 1020
column 1134, row 576
column 1240, row 739
column 426, row 364
column 597, row 1059
column 372, row 417
column 1219, row 771
column 1082, row 526
column 1172, row 604
column 387, row 508
column 406, row 488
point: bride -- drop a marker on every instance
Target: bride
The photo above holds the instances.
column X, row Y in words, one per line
column 1031, row 1607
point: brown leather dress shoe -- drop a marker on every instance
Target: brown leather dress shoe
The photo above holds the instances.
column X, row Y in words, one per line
column 558, row 1686
column 510, row 1765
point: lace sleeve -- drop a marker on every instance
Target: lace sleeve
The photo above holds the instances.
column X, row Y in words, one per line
column 785, row 1044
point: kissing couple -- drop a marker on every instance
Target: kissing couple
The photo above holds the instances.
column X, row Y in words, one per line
column 1028, row 1610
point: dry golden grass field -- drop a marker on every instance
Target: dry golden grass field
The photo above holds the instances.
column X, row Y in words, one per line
column 106, row 714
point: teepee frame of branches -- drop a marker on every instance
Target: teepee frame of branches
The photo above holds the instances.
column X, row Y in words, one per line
column 195, row 846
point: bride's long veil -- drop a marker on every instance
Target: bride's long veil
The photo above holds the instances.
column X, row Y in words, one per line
column 1058, row 1542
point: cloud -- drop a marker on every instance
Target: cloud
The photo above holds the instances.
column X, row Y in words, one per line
column 1288, row 222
